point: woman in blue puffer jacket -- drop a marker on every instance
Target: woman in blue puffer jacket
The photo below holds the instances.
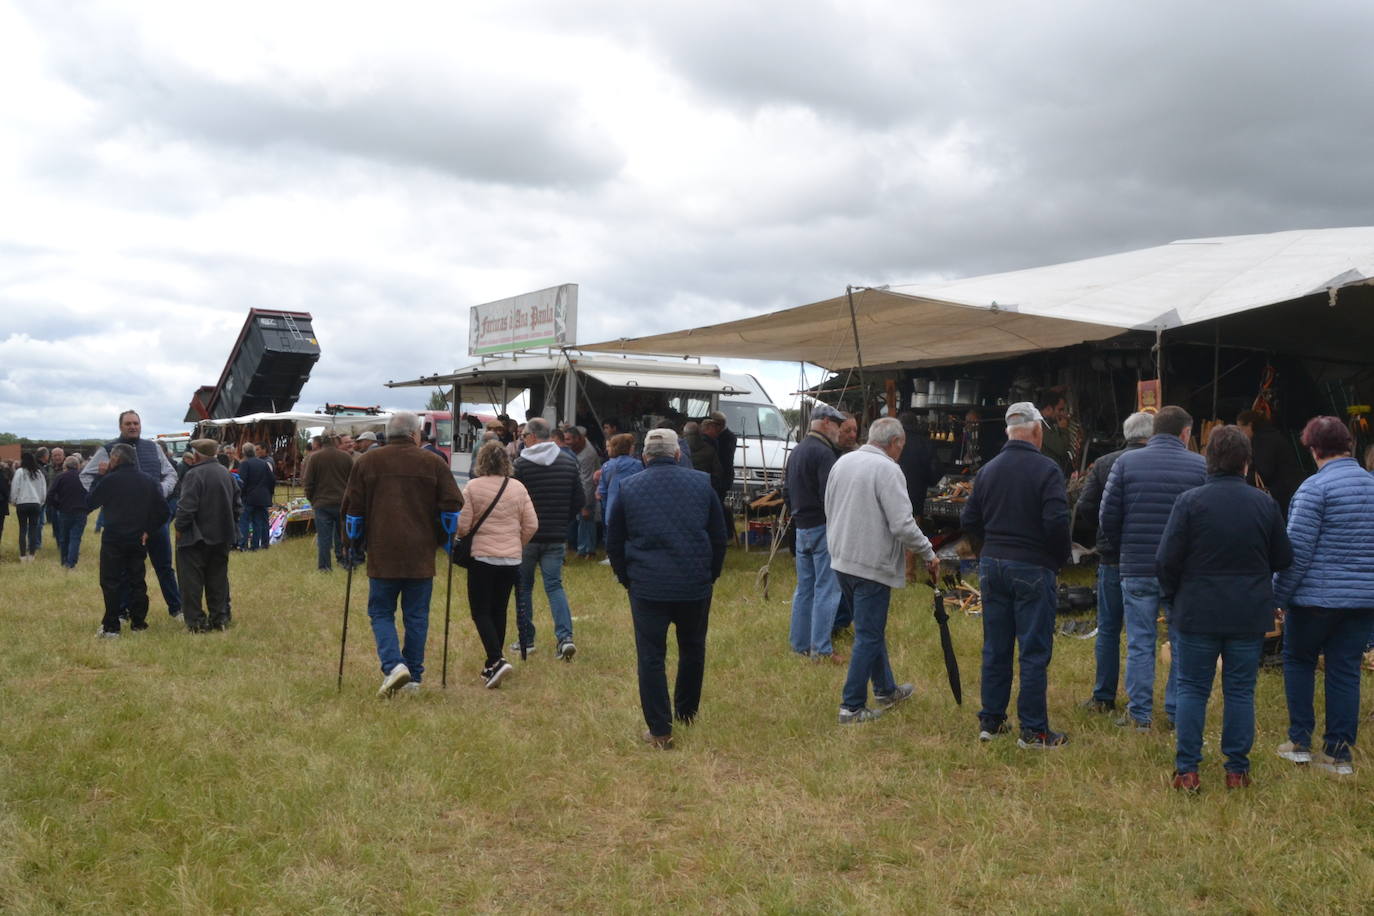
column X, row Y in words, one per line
column 1328, row 595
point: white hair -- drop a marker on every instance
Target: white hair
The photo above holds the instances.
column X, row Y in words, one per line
column 1139, row 425
column 885, row 431
column 71, row 463
column 402, row 424
column 250, row 450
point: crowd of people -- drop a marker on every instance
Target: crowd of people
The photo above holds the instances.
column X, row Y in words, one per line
column 1179, row 534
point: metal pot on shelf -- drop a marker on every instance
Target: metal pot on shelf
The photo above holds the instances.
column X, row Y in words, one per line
column 941, row 393
column 966, row 391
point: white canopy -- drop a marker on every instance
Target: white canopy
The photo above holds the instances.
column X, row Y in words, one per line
column 1042, row 308
column 301, row 418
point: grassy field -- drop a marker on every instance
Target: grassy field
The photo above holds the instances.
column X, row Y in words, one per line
column 163, row 772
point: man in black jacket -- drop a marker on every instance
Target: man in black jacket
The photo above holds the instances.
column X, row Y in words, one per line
column 206, row 522
column 554, row 482
column 1019, row 510
column 817, row 597
column 1110, row 610
column 134, row 509
column 258, row 483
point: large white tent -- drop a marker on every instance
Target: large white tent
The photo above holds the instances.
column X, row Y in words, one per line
column 1172, row 286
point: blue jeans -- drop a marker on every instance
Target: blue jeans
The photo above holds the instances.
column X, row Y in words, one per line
column 70, row 527
column 1108, row 646
column 817, row 597
column 549, row 559
column 1340, row 634
column 1018, row 610
column 869, row 661
column 381, row 608
column 1195, row 660
column 327, row 536
column 1141, row 601
column 160, row 556
column 254, row 517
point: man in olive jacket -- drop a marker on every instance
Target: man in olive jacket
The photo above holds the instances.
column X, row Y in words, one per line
column 206, row 524
column 396, row 495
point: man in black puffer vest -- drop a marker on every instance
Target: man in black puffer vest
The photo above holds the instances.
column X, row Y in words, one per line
column 153, row 464
column 554, row 483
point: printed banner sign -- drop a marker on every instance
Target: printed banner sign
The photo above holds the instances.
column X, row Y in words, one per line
column 546, row 318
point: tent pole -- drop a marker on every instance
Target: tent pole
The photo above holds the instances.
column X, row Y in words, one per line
column 1159, row 362
column 1216, row 364
column 858, row 354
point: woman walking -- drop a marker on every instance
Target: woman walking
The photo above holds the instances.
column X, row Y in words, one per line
column 1328, row 596
column 619, row 466
column 1221, row 547
column 499, row 507
column 28, row 490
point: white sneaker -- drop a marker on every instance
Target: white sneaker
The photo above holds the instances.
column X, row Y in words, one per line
column 515, row 647
column 566, row 650
column 605, row 562
column 1324, row 761
column 1291, row 752
column 103, row 633
column 398, row 678
column 410, row 687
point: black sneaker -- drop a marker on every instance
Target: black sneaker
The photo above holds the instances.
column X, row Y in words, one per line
column 1092, row 704
column 989, row 730
column 493, row 675
column 566, row 650
column 1041, row 741
column 898, row 694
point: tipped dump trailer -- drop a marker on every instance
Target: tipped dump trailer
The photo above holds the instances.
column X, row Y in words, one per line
column 267, row 368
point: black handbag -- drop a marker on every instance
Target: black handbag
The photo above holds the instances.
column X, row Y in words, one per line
column 461, row 552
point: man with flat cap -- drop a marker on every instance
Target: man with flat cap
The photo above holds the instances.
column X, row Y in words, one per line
column 818, row 590
column 206, row 524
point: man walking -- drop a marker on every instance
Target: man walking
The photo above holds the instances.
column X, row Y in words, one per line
column 665, row 538
column 326, row 478
column 870, row 523
column 67, row 504
column 150, row 461
column 1136, row 430
column 817, row 597
column 1140, row 495
column 1019, row 510
column 206, row 524
column 259, row 482
column 394, row 498
column 135, row 509
column 551, row 477
column 587, row 463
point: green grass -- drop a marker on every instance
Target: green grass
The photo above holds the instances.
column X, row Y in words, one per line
column 169, row 773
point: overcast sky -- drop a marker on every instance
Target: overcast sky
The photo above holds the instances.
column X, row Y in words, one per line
column 164, row 167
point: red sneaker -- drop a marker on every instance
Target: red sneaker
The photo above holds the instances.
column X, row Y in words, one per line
column 1188, row 782
column 1238, row 780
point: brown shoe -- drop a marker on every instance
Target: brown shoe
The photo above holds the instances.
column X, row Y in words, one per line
column 1189, row 782
column 834, row 658
column 658, row 742
column 1238, row 780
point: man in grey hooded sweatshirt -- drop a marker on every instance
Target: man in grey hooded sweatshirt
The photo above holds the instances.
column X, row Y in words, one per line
column 554, row 482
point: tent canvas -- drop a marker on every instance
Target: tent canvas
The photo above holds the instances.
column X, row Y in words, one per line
column 1001, row 315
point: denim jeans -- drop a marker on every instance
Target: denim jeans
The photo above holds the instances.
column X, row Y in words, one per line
column 651, row 620
column 327, row 536
column 1141, row 601
column 817, row 597
column 1340, row 634
column 1195, row 660
column 586, row 536
column 868, row 662
column 160, row 557
column 381, row 609
column 254, row 517
column 549, row 558
column 1018, row 610
column 1108, row 646
column 70, row 527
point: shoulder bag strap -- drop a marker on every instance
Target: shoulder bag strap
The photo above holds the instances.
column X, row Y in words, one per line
column 496, row 499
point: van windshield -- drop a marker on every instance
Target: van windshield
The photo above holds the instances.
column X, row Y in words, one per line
column 754, row 420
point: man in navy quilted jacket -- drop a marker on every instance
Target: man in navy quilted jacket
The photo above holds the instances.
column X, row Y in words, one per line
column 666, row 541
column 1136, row 504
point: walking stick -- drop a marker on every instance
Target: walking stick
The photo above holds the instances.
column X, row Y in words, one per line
column 449, row 521
column 348, row 593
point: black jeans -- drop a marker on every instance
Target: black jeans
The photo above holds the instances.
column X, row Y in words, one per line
column 204, row 570
column 489, row 589
column 30, row 527
column 122, row 582
column 652, row 619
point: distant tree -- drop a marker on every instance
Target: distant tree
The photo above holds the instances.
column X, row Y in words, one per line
column 437, row 400
column 8, row 438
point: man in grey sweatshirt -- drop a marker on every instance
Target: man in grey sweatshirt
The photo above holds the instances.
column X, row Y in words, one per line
column 869, row 522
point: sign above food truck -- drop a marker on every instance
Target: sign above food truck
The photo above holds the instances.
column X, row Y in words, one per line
column 545, row 318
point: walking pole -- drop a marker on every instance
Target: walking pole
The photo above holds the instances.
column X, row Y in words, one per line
column 348, row 593
column 450, row 522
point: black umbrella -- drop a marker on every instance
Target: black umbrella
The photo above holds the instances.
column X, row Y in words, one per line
column 947, row 645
